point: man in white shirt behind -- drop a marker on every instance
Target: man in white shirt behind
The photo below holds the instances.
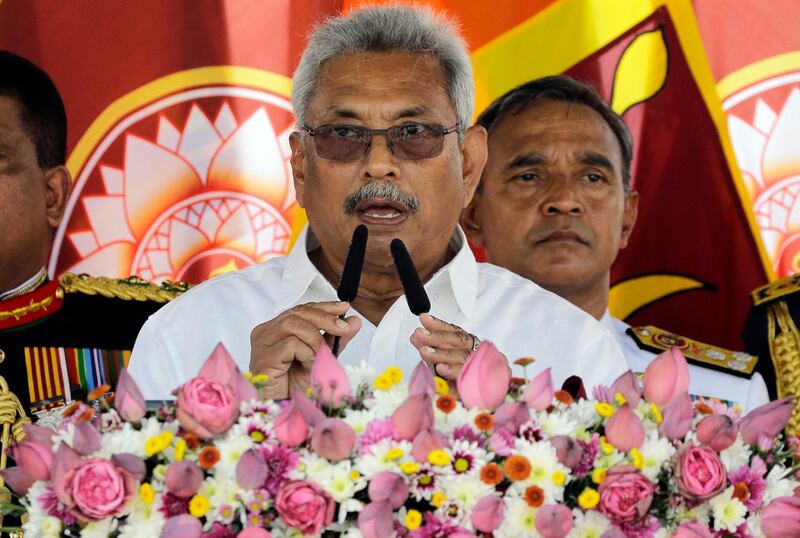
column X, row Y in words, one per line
column 555, row 206
column 384, row 99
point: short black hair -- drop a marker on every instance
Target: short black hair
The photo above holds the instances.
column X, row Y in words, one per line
column 41, row 110
column 567, row 89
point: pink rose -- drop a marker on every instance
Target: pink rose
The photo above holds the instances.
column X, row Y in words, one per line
column 99, row 489
column 700, row 473
column 206, row 407
column 625, row 494
column 304, row 506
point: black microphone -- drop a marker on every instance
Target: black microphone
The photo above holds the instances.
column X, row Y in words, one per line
column 416, row 297
column 351, row 274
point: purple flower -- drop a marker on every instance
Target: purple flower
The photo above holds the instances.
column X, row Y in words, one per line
column 280, row 461
column 218, row 530
column 753, row 478
column 435, row 528
column 502, row 442
column 590, row 450
column 54, row 507
column 645, row 527
column 530, row 431
column 172, row 505
column 377, row 430
column 466, row 433
column 601, row 393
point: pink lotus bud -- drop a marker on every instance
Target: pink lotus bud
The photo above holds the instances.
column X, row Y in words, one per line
column 511, row 416
column 254, row 532
column 666, row 377
column 412, row 416
column 554, row 521
column 677, row 417
column 692, row 529
column 36, row 434
column 65, row 461
column 422, row 381
column 389, row 487
column 35, row 459
column 245, row 390
column 251, row 471
column 717, row 431
column 311, row 413
column 568, row 450
column 220, row 367
column 333, row 439
column 769, row 419
column 328, row 379
column 291, row 427
column 131, row 463
column 375, row 520
column 86, row 439
column 538, row 393
column 627, row 385
column 483, row 381
column 425, row 442
column 183, row 478
column 614, row 532
column 461, row 533
column 781, row 518
column 18, row 480
column 128, row 399
column 182, row 526
column 625, row 430
column 487, row 514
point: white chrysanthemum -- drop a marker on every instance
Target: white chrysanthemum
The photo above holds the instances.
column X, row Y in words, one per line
column 386, row 402
column 447, row 422
column 309, row 465
column 350, row 506
column 143, row 519
column 128, row 440
column 378, row 461
column 519, row 520
column 728, row 511
column 584, row 413
column 779, row 484
column 50, row 527
column 656, row 451
column 99, row 529
column 472, row 451
column 231, row 447
column 358, row 419
column 363, row 374
column 553, row 424
column 219, row 491
column 338, row 480
column 591, row 524
column 736, row 455
column 544, row 465
column 754, row 526
column 36, row 513
column 465, row 490
column 661, row 533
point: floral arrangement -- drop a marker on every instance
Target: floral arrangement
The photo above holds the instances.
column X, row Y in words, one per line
column 368, row 455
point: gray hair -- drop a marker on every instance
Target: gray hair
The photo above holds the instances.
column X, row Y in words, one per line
column 379, row 29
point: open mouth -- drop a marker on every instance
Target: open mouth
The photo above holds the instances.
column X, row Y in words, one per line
column 381, row 212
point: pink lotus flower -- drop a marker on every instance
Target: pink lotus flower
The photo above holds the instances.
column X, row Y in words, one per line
column 627, row 385
column 692, row 529
column 17, row 479
column 412, row 416
column 34, row 455
column 86, row 438
column 769, row 420
column 183, row 478
column 128, row 399
column 389, row 487
column 425, row 442
column 700, row 473
column 781, row 518
column 221, row 367
column 328, row 379
column 375, row 520
column 677, row 417
column 96, row 489
column 422, row 381
column 254, row 532
column 538, row 393
column 553, row 521
column 251, row 470
column 717, row 431
column 182, row 526
column 487, row 514
column 483, row 381
column 312, row 414
column 625, row 494
column 512, row 415
column 666, row 377
column 624, row 430
column 569, row 452
column 304, row 506
column 131, row 463
column 333, row 439
column 291, row 427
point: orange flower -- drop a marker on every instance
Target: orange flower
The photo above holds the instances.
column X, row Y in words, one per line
column 534, row 496
column 703, row 408
column 484, row 422
column 192, row 441
column 518, row 467
column 98, row 392
column 564, row 397
column 741, row 492
column 519, row 381
column 69, row 411
column 446, row 403
column 87, row 415
column 524, row 361
column 491, row 474
column 208, row 457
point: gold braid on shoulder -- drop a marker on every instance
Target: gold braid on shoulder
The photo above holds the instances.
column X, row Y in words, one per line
column 128, row 289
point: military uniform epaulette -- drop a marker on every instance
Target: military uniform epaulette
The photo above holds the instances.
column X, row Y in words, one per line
column 128, row 289
column 775, row 290
column 733, row 362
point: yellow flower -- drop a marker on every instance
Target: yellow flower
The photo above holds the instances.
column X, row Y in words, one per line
column 383, row 382
column 413, row 519
column 153, row 445
column 438, row 499
column 558, row 478
column 354, row 475
column 655, row 412
column 146, row 493
column 637, row 460
column 248, row 375
column 260, row 379
column 180, row 449
column 619, row 398
column 589, row 498
column 606, row 448
column 166, row 438
column 442, row 388
column 604, row 409
column 599, row 474
column 439, row 457
column 394, row 373
column 409, row 467
column 199, row 505
column 395, row 454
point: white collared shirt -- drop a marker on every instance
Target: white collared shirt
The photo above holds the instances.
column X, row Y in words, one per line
column 747, row 393
column 519, row 317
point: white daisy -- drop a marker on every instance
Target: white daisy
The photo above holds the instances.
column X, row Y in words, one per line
column 736, row 455
column 339, row 481
column 99, row 529
column 385, row 402
column 728, row 511
column 382, row 457
column 231, row 447
column 362, row 374
column 779, row 484
column 143, row 519
column 591, row 524
column 544, row 468
column 656, row 451
column 519, row 520
column 358, row 419
column 465, row 491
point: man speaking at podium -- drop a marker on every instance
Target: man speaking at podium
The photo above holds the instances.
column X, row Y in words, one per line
column 384, row 99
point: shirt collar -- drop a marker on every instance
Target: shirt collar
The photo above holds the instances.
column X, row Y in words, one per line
column 460, row 275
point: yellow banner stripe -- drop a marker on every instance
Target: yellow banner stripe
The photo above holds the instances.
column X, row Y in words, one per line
column 758, row 71
column 29, row 368
column 55, row 366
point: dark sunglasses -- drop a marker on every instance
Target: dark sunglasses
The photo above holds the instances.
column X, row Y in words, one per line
column 411, row 141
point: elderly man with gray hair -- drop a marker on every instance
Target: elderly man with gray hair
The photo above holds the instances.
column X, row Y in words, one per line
column 384, row 99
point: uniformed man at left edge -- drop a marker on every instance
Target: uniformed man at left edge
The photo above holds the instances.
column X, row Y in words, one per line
column 59, row 339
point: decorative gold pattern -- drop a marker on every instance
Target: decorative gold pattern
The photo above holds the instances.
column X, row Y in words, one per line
column 12, row 421
column 775, row 290
column 784, row 348
column 33, row 306
column 128, row 289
